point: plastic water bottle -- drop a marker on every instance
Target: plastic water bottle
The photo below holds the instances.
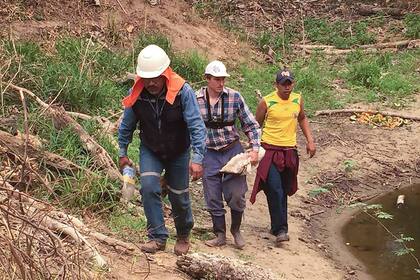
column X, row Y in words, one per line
column 129, row 189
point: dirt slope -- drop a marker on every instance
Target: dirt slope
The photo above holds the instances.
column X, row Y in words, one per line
column 118, row 25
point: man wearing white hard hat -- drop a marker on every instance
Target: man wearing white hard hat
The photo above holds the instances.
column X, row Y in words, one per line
column 165, row 109
column 220, row 107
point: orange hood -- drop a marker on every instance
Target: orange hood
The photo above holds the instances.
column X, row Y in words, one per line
column 174, row 83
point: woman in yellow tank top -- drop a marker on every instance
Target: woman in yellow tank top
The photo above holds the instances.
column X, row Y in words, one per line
column 279, row 114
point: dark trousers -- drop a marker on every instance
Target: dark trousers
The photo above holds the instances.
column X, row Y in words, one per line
column 216, row 185
column 277, row 201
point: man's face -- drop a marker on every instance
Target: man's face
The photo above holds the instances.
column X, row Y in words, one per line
column 154, row 85
column 285, row 87
column 216, row 84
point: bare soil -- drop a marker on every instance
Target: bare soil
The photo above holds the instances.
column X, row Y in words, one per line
column 117, row 26
column 384, row 158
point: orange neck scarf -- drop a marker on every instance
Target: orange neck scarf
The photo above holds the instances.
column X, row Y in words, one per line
column 174, row 83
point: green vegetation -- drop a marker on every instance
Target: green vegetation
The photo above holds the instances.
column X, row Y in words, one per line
column 320, row 190
column 128, row 225
column 349, row 165
column 412, row 26
column 83, row 75
column 342, row 34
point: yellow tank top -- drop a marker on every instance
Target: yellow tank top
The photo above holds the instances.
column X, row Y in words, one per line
column 281, row 120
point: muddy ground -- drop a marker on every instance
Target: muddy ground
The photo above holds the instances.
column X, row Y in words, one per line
column 384, row 159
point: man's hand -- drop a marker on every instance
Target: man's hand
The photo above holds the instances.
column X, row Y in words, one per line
column 310, row 148
column 123, row 161
column 253, row 157
column 196, row 171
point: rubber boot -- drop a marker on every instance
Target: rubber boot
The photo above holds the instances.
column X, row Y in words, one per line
column 219, row 229
column 235, row 229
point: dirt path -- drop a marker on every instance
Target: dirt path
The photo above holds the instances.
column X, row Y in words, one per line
column 384, row 159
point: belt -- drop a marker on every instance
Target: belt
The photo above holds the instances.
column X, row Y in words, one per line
column 228, row 146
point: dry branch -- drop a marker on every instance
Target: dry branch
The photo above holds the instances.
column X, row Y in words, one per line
column 61, row 120
column 371, row 48
column 97, row 235
column 76, row 236
column 205, row 266
column 32, row 208
column 107, row 126
column 16, row 145
column 351, row 111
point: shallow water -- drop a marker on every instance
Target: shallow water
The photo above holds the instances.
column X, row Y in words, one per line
column 370, row 243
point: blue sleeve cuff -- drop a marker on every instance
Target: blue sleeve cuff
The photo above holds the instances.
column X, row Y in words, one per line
column 123, row 152
column 197, row 158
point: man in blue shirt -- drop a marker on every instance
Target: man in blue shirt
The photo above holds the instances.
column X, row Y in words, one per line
column 165, row 109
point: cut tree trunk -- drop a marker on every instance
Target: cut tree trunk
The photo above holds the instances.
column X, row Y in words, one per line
column 351, row 111
column 205, row 266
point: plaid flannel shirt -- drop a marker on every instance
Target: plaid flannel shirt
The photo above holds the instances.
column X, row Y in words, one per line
column 235, row 108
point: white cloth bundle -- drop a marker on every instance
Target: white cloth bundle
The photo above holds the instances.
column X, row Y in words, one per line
column 240, row 164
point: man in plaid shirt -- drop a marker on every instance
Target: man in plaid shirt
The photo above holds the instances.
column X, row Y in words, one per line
column 220, row 107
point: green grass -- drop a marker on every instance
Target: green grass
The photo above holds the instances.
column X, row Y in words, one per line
column 82, row 74
column 128, row 225
column 412, row 26
column 82, row 192
column 391, row 78
column 341, row 34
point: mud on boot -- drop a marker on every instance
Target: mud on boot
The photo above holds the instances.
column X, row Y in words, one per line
column 218, row 241
column 152, row 246
column 281, row 237
column 235, row 229
column 182, row 246
column 219, row 229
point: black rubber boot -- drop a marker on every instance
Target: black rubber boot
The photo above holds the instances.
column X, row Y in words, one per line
column 219, row 229
column 235, row 229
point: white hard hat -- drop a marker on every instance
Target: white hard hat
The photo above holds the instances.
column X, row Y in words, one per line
column 152, row 62
column 217, row 69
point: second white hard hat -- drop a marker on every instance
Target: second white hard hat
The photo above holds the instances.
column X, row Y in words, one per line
column 216, row 68
column 152, row 62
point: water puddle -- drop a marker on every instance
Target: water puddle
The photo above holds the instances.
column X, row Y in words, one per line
column 371, row 244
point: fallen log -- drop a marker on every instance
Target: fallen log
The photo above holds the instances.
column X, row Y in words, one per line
column 206, row 266
column 97, row 235
column 9, row 124
column 106, row 124
column 72, row 232
column 352, row 111
column 98, row 153
column 367, row 10
column 61, row 120
column 16, row 145
column 396, row 44
column 33, row 208
column 58, row 215
column 371, row 48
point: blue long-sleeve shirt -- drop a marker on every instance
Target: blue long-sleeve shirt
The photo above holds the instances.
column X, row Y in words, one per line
column 192, row 117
